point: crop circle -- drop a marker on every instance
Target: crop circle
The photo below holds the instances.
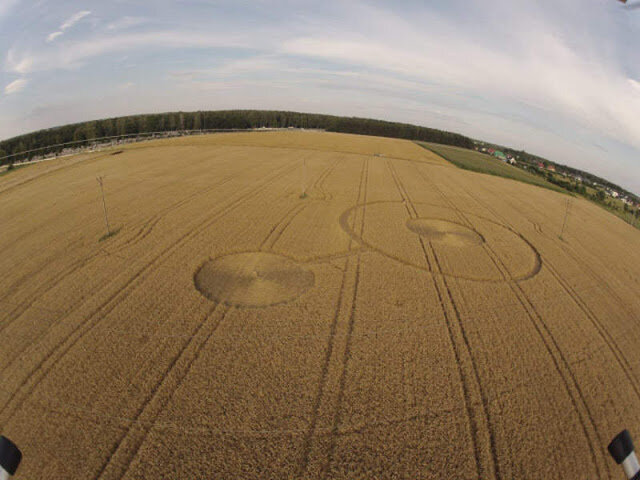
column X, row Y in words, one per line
column 451, row 249
column 444, row 232
column 252, row 279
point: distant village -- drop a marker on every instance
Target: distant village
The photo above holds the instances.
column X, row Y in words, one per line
column 543, row 167
column 505, row 157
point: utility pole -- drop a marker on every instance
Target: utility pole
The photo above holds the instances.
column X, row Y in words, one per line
column 104, row 204
column 304, row 179
column 566, row 216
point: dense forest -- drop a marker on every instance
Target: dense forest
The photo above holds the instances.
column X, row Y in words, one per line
column 53, row 138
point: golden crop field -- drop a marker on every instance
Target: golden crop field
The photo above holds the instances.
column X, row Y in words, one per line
column 404, row 319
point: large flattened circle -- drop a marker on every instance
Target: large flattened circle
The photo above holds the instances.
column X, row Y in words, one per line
column 253, row 279
column 434, row 238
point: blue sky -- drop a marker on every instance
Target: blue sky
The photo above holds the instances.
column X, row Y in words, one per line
column 560, row 78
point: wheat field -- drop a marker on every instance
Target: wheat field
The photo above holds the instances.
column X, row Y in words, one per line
column 404, row 319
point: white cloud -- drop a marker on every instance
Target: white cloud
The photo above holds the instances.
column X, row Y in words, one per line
column 249, row 65
column 70, row 22
column 15, row 86
column 548, row 74
column 53, row 36
column 75, row 18
column 20, row 65
column 75, row 54
column 126, row 22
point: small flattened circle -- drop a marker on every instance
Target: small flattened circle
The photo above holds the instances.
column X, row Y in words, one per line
column 253, row 279
column 444, row 232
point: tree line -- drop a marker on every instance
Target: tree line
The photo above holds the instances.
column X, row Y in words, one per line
column 218, row 120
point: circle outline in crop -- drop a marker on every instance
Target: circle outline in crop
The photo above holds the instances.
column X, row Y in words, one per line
column 344, row 223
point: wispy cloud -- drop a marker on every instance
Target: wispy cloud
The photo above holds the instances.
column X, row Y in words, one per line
column 52, row 36
column 550, row 74
column 76, row 53
column 70, row 22
column 18, row 63
column 126, row 22
column 15, row 86
column 75, row 18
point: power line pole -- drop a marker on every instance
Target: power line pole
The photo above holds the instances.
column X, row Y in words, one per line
column 566, row 216
column 104, row 204
column 304, row 179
